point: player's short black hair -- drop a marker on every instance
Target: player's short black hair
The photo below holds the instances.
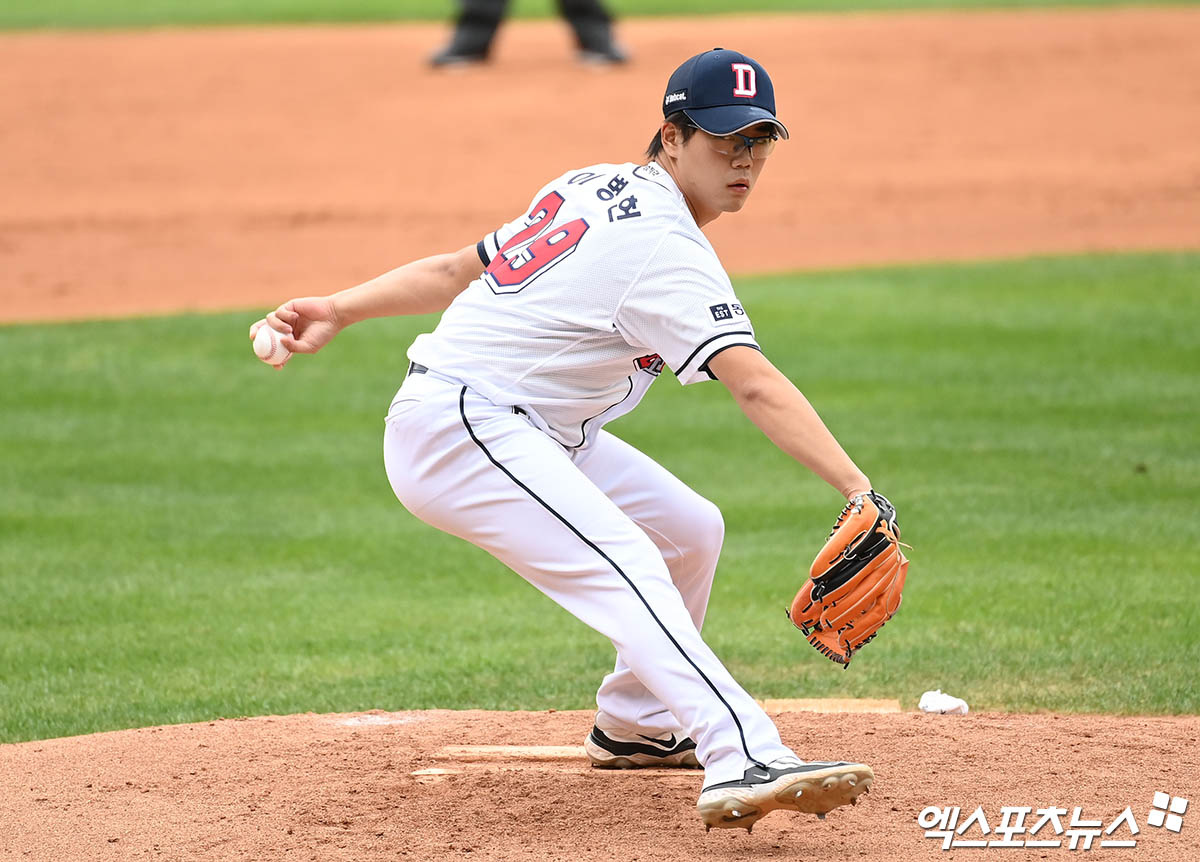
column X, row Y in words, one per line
column 680, row 121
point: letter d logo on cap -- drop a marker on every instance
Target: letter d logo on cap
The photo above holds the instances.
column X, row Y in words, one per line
column 745, row 84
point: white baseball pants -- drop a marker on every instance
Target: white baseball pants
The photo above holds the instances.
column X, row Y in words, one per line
column 608, row 534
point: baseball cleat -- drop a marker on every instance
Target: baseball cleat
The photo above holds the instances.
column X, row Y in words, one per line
column 605, row 54
column 813, row 788
column 610, row 750
column 455, row 57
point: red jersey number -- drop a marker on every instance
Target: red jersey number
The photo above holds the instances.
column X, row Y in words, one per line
column 535, row 248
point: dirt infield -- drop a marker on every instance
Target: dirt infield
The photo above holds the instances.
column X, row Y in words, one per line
column 399, row 786
column 176, row 170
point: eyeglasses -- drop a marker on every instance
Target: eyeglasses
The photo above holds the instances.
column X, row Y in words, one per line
column 735, row 144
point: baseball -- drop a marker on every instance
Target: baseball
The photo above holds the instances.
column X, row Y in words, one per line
column 268, row 347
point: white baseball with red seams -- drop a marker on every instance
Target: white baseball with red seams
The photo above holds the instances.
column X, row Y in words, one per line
column 268, row 347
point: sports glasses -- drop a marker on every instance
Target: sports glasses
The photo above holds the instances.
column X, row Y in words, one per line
column 735, row 144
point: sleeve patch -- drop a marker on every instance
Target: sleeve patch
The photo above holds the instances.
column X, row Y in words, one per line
column 724, row 313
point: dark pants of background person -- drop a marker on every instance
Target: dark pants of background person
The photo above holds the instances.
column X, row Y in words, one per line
column 478, row 21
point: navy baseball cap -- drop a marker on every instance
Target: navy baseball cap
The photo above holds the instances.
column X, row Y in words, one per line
column 722, row 92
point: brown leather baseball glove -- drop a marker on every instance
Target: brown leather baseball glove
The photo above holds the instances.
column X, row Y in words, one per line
column 856, row 581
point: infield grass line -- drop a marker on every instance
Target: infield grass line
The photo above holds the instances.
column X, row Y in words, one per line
column 80, row 14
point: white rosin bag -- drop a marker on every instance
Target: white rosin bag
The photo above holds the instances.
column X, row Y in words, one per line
column 937, row 701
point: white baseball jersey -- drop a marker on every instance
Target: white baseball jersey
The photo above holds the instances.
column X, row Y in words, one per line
column 585, row 298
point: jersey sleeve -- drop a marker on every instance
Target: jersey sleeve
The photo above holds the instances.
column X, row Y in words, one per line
column 684, row 309
column 488, row 247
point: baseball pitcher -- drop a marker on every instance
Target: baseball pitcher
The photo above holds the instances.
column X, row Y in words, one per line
column 556, row 323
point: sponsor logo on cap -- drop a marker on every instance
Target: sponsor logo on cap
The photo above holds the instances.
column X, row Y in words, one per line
column 675, row 97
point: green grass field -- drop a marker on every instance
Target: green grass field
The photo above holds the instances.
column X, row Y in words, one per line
column 188, row 534
column 127, row 13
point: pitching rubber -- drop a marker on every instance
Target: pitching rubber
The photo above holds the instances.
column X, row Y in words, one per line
column 817, row 792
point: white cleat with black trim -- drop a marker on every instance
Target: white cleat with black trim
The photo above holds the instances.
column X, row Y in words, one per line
column 610, row 750
column 813, row 788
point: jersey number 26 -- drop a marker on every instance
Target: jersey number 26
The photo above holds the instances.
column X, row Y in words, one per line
column 535, row 248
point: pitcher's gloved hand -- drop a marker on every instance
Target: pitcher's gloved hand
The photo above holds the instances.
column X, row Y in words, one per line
column 856, row 581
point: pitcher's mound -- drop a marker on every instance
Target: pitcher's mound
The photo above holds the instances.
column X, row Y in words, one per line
column 516, row 786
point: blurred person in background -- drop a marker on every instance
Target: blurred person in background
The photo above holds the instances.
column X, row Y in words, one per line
column 478, row 21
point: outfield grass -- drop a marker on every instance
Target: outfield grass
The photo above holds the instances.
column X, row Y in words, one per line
column 141, row 13
column 187, row 534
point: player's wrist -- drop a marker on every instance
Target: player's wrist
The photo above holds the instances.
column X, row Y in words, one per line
column 342, row 311
column 860, row 485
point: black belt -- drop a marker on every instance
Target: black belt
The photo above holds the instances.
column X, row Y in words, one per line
column 417, row 368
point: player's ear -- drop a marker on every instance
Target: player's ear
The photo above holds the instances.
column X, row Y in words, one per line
column 672, row 138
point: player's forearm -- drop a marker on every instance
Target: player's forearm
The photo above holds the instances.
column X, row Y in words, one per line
column 421, row 287
column 782, row 412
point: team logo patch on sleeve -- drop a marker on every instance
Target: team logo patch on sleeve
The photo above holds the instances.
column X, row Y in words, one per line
column 652, row 364
column 724, row 312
